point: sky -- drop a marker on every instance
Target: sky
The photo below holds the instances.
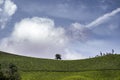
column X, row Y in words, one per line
column 76, row 29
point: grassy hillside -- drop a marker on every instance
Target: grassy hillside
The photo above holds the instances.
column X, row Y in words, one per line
column 36, row 64
column 99, row 68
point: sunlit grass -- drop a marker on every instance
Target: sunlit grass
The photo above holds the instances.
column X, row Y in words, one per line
column 87, row 75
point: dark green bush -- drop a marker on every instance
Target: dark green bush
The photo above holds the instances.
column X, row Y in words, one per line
column 1, row 74
column 10, row 74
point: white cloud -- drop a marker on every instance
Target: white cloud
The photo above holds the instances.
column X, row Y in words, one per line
column 39, row 37
column 7, row 9
column 36, row 37
column 38, row 30
column 103, row 18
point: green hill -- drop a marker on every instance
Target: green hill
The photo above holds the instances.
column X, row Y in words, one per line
column 98, row 68
column 111, row 62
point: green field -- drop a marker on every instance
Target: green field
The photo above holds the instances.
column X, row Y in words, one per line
column 87, row 75
column 99, row 68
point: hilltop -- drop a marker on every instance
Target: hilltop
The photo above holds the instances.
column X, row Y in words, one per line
column 108, row 62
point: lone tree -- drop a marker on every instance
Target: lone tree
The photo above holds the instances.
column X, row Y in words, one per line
column 58, row 57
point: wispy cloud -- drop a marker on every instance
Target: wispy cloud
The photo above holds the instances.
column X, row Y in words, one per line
column 81, row 32
column 103, row 18
column 7, row 9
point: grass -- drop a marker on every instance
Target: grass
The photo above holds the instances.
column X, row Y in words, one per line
column 87, row 75
column 99, row 68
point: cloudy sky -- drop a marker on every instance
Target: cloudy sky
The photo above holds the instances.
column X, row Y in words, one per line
column 76, row 29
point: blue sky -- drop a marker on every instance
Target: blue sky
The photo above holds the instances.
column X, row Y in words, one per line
column 76, row 29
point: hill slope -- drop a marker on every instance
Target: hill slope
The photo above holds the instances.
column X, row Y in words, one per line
column 35, row 64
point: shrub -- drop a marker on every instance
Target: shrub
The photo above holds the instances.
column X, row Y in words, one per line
column 10, row 74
